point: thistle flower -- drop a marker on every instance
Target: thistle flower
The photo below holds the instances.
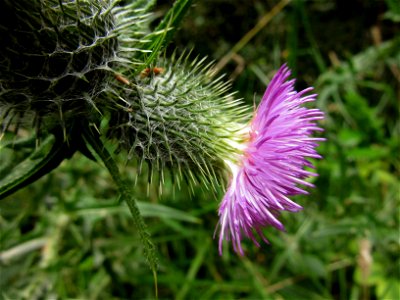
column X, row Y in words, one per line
column 177, row 117
column 271, row 165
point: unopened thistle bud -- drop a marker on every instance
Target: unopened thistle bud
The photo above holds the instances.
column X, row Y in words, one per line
column 54, row 55
column 57, row 56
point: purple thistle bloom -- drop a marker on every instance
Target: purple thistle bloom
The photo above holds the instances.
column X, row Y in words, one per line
column 272, row 163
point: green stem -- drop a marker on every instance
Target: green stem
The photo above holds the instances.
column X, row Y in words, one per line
column 127, row 194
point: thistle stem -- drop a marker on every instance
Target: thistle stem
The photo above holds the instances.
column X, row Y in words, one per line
column 127, row 194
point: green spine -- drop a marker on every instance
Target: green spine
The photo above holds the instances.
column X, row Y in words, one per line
column 177, row 116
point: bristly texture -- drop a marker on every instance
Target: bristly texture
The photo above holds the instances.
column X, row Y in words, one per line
column 53, row 57
column 57, row 56
column 272, row 164
column 132, row 22
column 176, row 117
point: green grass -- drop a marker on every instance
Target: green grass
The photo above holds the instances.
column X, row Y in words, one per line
column 67, row 236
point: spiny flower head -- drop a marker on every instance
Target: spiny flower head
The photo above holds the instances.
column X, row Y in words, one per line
column 177, row 117
column 54, row 55
column 272, row 163
column 58, row 56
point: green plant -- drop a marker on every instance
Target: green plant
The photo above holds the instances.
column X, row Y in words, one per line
column 68, row 236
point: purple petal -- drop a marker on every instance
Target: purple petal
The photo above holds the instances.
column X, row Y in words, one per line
column 272, row 165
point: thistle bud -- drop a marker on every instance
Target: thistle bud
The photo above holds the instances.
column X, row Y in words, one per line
column 177, row 116
column 54, row 55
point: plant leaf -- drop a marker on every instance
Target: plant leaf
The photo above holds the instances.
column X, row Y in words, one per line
column 43, row 160
column 164, row 32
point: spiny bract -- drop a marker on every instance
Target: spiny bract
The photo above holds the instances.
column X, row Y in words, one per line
column 57, row 56
column 178, row 116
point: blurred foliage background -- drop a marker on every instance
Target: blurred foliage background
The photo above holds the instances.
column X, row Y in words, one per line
column 67, row 235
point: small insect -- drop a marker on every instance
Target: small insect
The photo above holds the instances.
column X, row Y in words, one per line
column 122, row 79
column 151, row 71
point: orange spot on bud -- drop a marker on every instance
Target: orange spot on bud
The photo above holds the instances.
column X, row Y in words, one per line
column 149, row 71
column 122, row 79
